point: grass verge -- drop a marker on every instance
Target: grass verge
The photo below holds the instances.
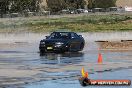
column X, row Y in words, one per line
column 87, row 23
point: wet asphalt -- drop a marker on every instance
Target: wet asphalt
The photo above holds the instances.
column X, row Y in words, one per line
column 28, row 54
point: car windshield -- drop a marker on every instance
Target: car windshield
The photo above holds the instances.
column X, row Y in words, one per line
column 59, row 35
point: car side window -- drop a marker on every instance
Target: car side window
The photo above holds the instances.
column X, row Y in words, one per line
column 52, row 36
column 73, row 35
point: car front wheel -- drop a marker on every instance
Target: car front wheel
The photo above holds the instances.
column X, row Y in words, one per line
column 72, row 50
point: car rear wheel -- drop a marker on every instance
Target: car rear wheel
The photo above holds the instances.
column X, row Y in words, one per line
column 81, row 46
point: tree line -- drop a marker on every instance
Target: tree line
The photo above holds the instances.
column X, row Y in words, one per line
column 57, row 5
column 101, row 3
column 21, row 6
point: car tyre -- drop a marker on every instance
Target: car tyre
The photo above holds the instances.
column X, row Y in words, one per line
column 81, row 46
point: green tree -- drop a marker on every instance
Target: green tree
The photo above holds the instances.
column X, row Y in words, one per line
column 4, row 7
column 56, row 5
column 24, row 5
column 76, row 4
column 104, row 3
column 90, row 4
column 101, row 3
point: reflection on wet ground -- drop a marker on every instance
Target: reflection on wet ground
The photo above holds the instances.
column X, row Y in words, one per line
column 66, row 58
column 73, row 83
column 22, row 64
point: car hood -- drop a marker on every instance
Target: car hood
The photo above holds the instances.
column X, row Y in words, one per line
column 55, row 40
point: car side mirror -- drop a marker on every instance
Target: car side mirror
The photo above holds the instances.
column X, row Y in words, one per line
column 46, row 37
column 80, row 35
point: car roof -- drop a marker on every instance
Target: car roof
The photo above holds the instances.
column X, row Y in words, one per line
column 63, row 32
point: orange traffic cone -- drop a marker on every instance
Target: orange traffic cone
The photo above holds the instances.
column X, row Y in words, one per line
column 86, row 75
column 100, row 59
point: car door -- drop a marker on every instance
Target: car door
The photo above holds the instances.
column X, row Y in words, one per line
column 75, row 42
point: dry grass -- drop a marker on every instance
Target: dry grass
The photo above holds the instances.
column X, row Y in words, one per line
column 124, row 3
column 84, row 23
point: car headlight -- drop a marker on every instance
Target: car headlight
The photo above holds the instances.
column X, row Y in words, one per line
column 42, row 42
column 59, row 43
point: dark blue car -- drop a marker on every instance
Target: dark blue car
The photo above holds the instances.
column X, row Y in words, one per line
column 62, row 42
